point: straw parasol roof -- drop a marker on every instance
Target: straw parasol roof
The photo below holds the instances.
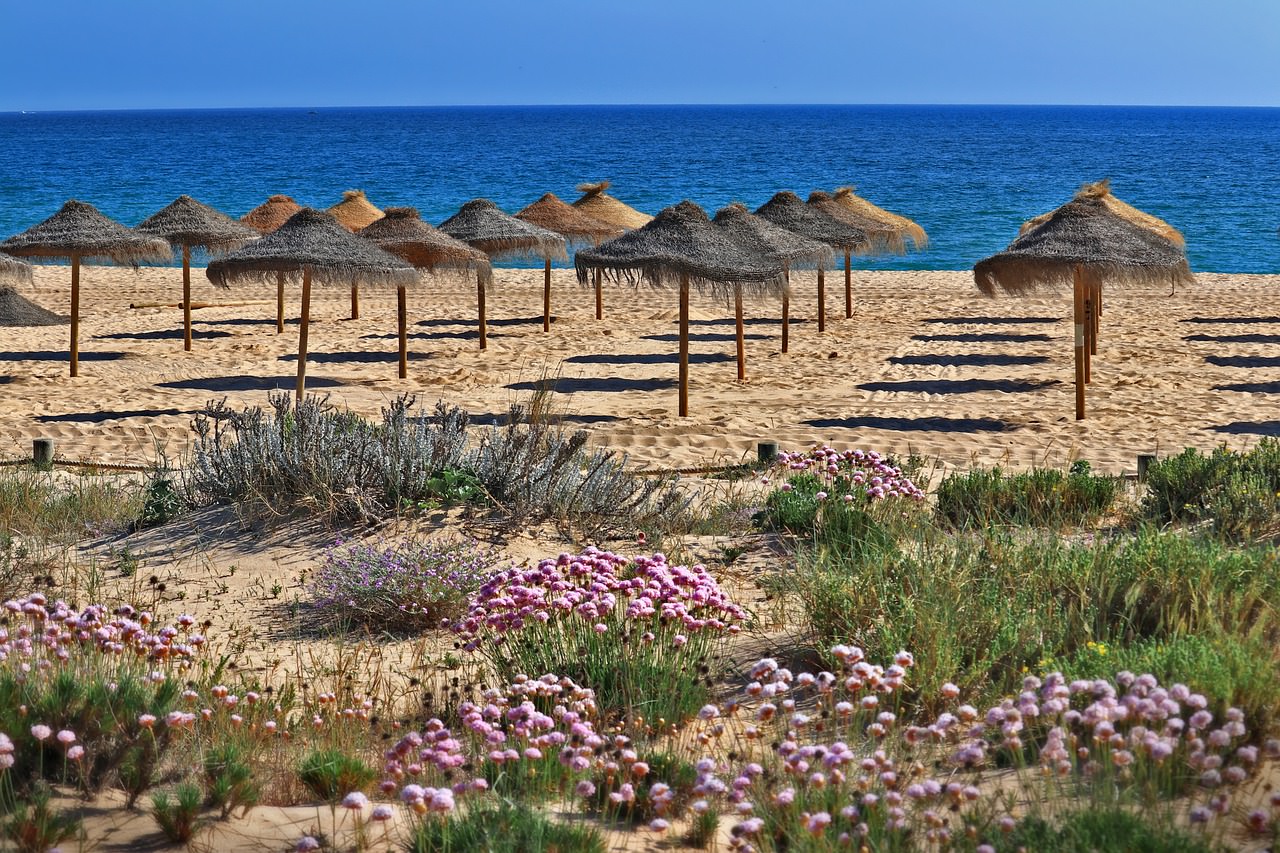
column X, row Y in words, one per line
column 482, row 224
column 12, row 269
column 906, row 228
column 355, row 211
column 882, row 237
column 312, row 240
column 187, row 222
column 79, row 230
column 1102, row 190
column 681, row 241
column 787, row 247
column 786, row 210
column 271, row 214
column 596, row 204
column 17, row 310
column 551, row 213
column 1083, row 232
column 403, row 233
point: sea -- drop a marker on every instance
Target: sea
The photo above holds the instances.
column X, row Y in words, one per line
column 969, row 174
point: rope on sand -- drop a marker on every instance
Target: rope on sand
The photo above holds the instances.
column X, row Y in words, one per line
column 82, row 463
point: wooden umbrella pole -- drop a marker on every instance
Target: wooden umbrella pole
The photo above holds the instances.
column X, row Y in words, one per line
column 302, row 336
column 1088, row 333
column 1095, row 314
column 186, row 297
column 355, row 302
column 848, row 287
column 786, row 307
column 822, row 301
column 546, row 295
column 684, row 346
column 402, row 314
column 1079, row 343
column 742, row 350
column 75, row 315
column 480, row 306
column 599, row 297
column 280, row 303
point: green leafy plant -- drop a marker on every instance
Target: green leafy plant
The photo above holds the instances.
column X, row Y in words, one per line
column 332, row 773
column 503, row 827
column 228, row 779
column 178, row 817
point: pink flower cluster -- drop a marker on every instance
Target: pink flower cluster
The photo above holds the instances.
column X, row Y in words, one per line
column 848, row 472
column 599, row 588
column 56, row 630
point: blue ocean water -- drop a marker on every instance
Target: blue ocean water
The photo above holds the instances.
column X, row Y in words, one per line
column 969, row 174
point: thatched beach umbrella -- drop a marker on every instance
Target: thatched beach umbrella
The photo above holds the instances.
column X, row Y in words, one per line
column 79, row 232
column 882, row 239
column 354, row 212
column 403, row 233
column 681, row 244
column 311, row 245
column 599, row 205
column 186, row 222
column 786, row 210
column 482, row 224
column 264, row 219
column 1084, row 242
column 14, row 271
column 786, row 247
column 551, row 213
column 906, row 229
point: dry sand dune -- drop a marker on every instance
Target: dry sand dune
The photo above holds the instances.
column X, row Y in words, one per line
column 926, row 365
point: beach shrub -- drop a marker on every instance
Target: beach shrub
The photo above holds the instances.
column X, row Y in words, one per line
column 640, row 632
column 1238, row 493
column 408, row 586
column 504, row 827
column 824, row 487
column 55, row 507
column 178, row 817
column 312, row 458
column 33, row 825
column 330, row 774
column 1043, row 497
column 1110, row 830
column 228, row 778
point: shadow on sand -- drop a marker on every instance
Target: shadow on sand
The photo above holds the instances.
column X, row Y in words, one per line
column 649, row 358
column 985, row 337
column 968, row 359
column 100, row 417
column 222, row 384
column 961, row 386
column 590, row 384
column 927, row 424
column 991, row 321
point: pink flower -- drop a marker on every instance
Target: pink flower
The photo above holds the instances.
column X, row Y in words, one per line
column 355, row 801
column 75, row 753
column 306, row 844
column 147, row 720
column 41, row 732
column 66, row 737
column 381, row 812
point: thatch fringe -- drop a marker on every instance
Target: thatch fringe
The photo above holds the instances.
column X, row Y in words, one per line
column 786, row 210
column 786, row 247
column 551, row 213
column 312, row 240
column 78, row 229
column 881, row 239
column 1102, row 190
column 484, row 225
column 14, row 271
column 187, row 222
column 679, row 242
column 403, row 233
column 907, row 228
column 596, row 204
column 17, row 310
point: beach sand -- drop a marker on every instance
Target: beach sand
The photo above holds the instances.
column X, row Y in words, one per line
column 926, row 365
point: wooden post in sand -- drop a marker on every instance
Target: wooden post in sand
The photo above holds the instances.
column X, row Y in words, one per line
column 480, row 306
column 742, row 350
column 402, row 315
column 75, row 315
column 302, row 336
column 42, row 453
column 848, row 287
column 1088, row 332
column 1097, row 315
column 684, row 345
column 279, row 303
column 355, row 302
column 1079, row 341
column 599, row 297
column 822, row 301
column 546, row 295
column 186, row 297
column 786, row 304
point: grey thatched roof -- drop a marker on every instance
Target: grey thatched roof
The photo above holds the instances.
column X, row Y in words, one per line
column 1085, row 232
column 681, row 241
column 786, row 210
column 17, row 310
column 908, row 229
column 598, row 205
column 271, row 214
column 355, row 211
column 403, row 233
column 551, row 213
column 483, row 224
column 787, row 247
column 12, row 269
column 312, row 240
column 79, row 229
column 882, row 237
column 187, row 222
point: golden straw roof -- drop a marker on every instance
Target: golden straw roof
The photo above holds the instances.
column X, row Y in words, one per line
column 1102, row 190
column 355, row 211
column 881, row 238
column 551, row 213
column 271, row 214
column 596, row 204
column 908, row 229
column 403, row 233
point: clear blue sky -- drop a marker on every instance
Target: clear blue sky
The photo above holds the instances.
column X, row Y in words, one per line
column 108, row 54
